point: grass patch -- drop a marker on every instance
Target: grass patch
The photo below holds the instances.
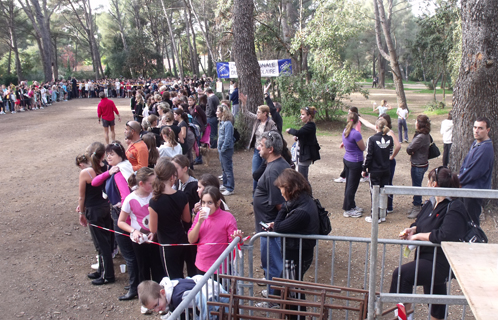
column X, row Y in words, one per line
column 438, row 91
column 437, row 112
column 369, row 80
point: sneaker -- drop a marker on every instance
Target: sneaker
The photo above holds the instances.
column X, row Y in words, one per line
column 13, row 112
column 340, row 180
column 1, row 112
column 352, row 214
column 115, row 253
column 227, row 193
column 95, row 266
column 220, row 177
column 165, row 316
column 369, row 219
column 390, row 211
column 42, row 108
column 144, row 310
column 264, row 293
column 223, row 188
column 22, row 110
column 406, row 141
column 360, row 210
column 414, row 212
column 260, row 283
column 365, row 179
column 270, row 305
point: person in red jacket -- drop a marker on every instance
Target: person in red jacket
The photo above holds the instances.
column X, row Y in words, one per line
column 106, row 110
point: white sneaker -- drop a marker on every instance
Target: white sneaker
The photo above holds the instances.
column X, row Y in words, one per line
column 13, row 112
column 360, row 210
column 227, row 193
column 42, row 108
column 223, row 188
column 220, row 177
column 95, row 266
column 366, row 179
column 264, row 293
column 144, row 310
column 352, row 214
column 264, row 304
column 369, row 219
column 1, row 112
column 340, row 180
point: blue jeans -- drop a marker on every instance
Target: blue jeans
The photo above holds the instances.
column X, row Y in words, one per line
column 256, row 163
column 402, row 126
column 274, row 267
column 126, row 250
column 227, row 167
column 213, row 137
column 417, row 174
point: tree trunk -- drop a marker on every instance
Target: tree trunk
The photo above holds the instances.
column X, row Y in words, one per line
column 382, row 72
column 194, row 43
column 191, row 58
column 56, row 61
column 385, row 22
column 374, row 60
column 245, row 53
column 41, row 24
column 173, row 44
column 204, row 32
column 476, row 88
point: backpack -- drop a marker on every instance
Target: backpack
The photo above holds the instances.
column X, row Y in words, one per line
column 236, row 135
column 323, row 217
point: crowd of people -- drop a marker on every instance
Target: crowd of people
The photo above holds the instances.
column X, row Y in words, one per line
column 152, row 194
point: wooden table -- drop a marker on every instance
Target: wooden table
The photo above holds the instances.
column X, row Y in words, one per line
column 476, row 268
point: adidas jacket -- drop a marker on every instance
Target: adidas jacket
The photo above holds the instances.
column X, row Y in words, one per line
column 378, row 151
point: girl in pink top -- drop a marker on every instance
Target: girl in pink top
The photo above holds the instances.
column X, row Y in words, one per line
column 212, row 225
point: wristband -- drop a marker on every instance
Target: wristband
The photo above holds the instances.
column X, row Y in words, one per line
column 81, row 213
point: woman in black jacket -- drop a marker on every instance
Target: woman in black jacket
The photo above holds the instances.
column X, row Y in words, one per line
column 441, row 219
column 298, row 215
column 308, row 148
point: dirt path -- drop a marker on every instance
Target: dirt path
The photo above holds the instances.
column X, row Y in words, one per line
column 46, row 254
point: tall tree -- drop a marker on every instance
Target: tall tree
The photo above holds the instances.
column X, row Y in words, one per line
column 173, row 44
column 9, row 12
column 83, row 12
column 383, row 27
column 39, row 15
column 244, row 53
column 476, row 89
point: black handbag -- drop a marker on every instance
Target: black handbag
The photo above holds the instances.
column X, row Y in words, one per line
column 475, row 234
column 433, row 150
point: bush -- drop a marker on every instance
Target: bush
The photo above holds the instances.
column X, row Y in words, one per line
column 429, row 85
column 435, row 105
column 8, row 79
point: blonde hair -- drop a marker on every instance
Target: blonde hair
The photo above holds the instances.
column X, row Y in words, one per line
column 226, row 115
column 265, row 109
column 381, row 124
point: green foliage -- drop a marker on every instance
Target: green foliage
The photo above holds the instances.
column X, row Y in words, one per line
column 434, row 105
column 331, row 80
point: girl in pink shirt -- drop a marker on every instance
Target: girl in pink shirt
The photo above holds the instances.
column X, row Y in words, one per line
column 212, row 225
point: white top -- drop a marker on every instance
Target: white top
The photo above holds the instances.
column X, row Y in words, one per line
column 138, row 210
column 117, row 84
column 165, row 151
column 402, row 113
column 447, row 130
column 382, row 109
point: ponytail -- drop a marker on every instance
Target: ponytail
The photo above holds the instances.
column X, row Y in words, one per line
column 381, row 124
column 95, row 152
column 164, row 170
column 142, row 175
column 352, row 121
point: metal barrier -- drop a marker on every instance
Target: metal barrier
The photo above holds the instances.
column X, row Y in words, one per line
column 194, row 305
column 379, row 201
column 345, row 267
column 344, row 253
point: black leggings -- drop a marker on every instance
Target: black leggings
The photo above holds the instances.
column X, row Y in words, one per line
column 424, row 276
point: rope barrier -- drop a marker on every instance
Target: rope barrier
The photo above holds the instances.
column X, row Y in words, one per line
column 170, row 244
